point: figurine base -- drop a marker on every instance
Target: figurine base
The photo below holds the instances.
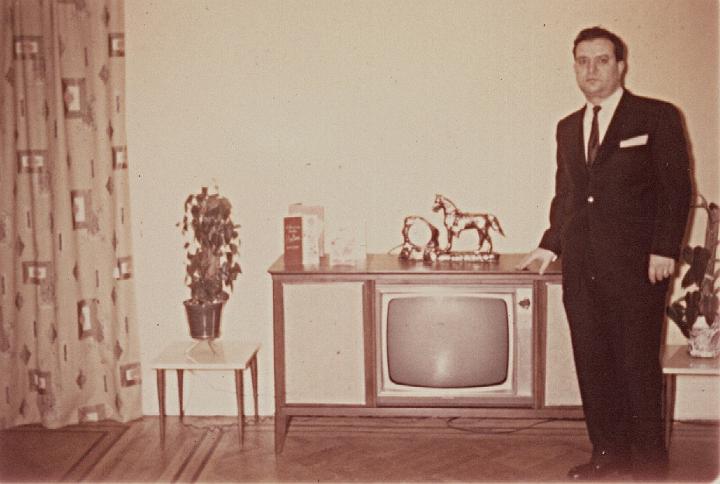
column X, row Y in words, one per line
column 468, row 257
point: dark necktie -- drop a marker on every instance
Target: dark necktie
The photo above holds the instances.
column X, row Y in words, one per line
column 594, row 139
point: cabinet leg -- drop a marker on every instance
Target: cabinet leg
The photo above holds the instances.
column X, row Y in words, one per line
column 282, row 422
column 240, row 405
column 180, row 393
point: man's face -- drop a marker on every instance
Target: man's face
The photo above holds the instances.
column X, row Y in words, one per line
column 597, row 71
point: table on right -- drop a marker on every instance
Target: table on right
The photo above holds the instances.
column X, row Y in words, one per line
column 677, row 361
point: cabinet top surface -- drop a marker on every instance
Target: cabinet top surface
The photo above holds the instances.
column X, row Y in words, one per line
column 379, row 264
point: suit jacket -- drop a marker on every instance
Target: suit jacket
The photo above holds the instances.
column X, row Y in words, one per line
column 632, row 202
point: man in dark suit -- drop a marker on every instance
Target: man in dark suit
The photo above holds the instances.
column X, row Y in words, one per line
column 618, row 217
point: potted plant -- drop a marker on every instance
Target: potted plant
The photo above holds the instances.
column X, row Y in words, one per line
column 697, row 312
column 211, row 269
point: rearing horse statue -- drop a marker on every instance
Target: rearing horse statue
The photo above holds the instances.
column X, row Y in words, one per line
column 456, row 221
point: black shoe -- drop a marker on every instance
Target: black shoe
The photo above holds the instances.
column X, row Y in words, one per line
column 598, row 468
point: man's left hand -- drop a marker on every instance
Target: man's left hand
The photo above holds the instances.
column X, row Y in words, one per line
column 660, row 268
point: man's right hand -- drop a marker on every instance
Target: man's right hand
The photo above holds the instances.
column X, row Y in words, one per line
column 544, row 256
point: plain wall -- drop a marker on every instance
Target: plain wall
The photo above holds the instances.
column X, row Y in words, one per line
column 370, row 108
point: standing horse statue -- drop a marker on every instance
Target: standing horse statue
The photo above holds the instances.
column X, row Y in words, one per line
column 456, row 221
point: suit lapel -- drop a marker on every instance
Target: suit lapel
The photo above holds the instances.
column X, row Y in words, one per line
column 578, row 142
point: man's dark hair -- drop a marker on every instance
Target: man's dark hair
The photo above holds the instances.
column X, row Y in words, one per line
column 601, row 33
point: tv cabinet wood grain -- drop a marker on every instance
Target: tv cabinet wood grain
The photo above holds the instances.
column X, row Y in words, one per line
column 324, row 338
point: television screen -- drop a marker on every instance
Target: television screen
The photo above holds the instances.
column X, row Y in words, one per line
column 452, row 341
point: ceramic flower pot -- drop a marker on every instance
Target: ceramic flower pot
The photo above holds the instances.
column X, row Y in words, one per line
column 204, row 319
column 705, row 342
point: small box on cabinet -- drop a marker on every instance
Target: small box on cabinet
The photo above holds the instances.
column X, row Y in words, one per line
column 347, row 245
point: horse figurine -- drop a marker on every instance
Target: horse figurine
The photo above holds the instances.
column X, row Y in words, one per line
column 456, row 221
column 408, row 248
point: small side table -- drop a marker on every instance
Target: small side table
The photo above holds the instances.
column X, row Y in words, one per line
column 677, row 361
column 206, row 355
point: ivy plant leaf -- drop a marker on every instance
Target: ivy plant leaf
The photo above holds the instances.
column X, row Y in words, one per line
column 676, row 312
column 708, row 307
column 692, row 307
column 687, row 255
column 698, row 266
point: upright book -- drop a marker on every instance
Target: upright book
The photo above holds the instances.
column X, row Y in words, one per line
column 301, row 234
column 293, row 240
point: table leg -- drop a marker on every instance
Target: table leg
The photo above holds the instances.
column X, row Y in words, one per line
column 254, row 377
column 161, row 402
column 240, row 404
column 669, row 407
column 180, row 392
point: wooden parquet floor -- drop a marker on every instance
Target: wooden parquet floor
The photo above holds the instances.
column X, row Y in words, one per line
column 354, row 449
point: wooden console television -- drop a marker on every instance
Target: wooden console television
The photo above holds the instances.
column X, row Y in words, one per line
column 348, row 341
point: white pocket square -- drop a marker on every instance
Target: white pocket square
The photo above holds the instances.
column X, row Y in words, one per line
column 634, row 141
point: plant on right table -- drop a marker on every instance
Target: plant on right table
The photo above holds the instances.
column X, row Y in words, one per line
column 696, row 313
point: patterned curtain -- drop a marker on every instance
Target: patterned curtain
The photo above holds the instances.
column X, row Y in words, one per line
column 69, row 344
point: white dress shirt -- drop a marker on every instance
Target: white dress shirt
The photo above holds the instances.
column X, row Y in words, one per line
column 609, row 105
